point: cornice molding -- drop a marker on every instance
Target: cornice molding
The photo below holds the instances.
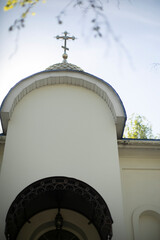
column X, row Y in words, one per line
column 75, row 78
column 135, row 143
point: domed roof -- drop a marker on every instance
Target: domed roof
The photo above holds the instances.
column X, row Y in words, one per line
column 64, row 66
column 72, row 76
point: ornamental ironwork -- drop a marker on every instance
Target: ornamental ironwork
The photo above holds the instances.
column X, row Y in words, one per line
column 59, row 192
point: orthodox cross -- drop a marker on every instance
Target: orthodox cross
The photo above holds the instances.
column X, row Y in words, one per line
column 65, row 37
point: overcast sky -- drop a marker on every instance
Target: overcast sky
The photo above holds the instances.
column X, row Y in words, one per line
column 127, row 65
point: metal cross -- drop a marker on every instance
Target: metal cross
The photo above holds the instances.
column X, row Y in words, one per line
column 65, row 37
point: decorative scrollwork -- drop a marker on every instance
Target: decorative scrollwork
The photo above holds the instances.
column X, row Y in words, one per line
column 59, row 192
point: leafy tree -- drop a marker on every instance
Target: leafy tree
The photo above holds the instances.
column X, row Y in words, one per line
column 138, row 127
column 93, row 9
column 26, row 5
column 98, row 20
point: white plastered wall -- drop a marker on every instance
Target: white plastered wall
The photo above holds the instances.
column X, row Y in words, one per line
column 140, row 170
column 62, row 130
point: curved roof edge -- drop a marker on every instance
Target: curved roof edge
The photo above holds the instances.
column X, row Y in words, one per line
column 70, row 77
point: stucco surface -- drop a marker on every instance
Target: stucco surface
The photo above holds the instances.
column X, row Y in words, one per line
column 140, row 171
column 63, row 131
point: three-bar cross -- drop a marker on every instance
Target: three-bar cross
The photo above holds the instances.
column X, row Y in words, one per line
column 65, row 37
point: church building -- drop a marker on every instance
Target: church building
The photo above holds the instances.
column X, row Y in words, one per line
column 65, row 170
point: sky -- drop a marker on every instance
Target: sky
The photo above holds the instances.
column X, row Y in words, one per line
column 127, row 64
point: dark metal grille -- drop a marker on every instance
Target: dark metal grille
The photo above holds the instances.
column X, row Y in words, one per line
column 59, row 192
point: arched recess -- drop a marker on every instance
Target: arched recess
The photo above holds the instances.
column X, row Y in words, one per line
column 149, row 211
column 59, row 193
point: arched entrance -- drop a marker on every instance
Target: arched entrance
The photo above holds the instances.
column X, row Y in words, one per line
column 54, row 234
column 70, row 199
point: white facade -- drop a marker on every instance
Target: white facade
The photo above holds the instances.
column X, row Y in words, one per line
column 140, row 171
column 66, row 123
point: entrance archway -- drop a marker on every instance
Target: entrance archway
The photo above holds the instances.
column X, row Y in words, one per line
column 55, row 193
column 53, row 235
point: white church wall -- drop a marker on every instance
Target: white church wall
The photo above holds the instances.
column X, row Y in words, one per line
column 68, row 131
column 140, row 171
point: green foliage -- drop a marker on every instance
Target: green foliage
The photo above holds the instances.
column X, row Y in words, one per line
column 94, row 8
column 26, row 5
column 23, row 3
column 138, row 127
